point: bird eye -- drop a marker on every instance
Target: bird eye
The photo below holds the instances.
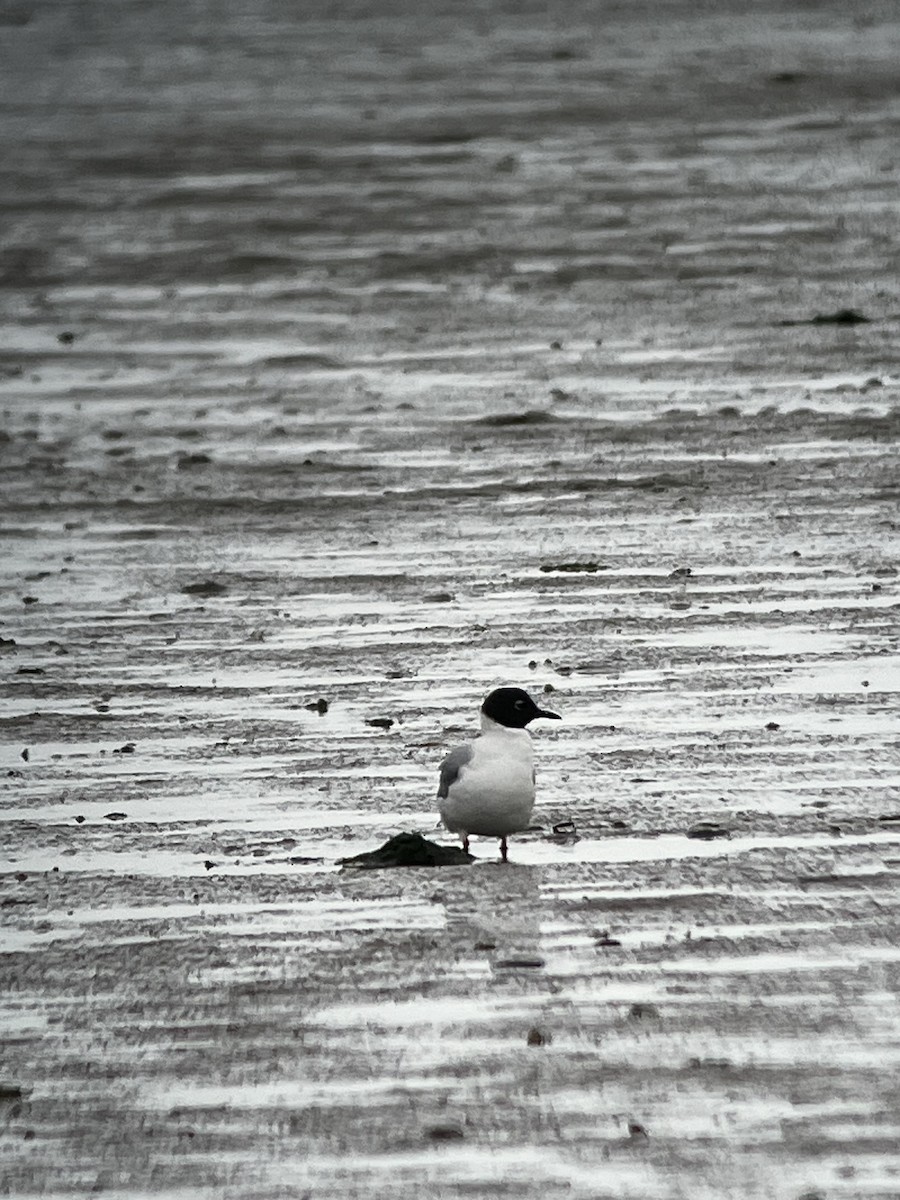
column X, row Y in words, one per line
column 519, row 704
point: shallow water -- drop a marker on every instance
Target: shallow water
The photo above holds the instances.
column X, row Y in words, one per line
column 378, row 319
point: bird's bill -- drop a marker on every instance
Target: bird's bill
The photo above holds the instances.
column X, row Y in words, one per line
column 545, row 712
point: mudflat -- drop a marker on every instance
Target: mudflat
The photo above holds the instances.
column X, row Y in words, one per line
column 355, row 361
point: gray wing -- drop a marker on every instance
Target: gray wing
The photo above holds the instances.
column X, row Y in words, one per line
column 451, row 767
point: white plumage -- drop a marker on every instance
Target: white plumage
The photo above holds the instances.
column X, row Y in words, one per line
column 487, row 785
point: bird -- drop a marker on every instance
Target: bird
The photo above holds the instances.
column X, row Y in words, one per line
column 487, row 785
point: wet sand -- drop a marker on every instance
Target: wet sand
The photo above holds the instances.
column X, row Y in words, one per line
column 379, row 361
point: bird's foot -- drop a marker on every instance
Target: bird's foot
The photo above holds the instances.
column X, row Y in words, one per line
column 466, row 844
column 503, row 850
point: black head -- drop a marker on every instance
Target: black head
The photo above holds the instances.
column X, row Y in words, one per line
column 512, row 707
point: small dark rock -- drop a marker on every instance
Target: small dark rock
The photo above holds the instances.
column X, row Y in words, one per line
column 208, row 587
column 409, row 850
column 380, row 722
column 637, row 1132
column 209, row 864
column 603, row 939
column 537, row 1038
column 707, row 830
column 25, row 755
column 531, row 417
column 573, row 567
column 128, row 748
column 485, row 946
column 31, row 671
column 843, row 316
column 187, row 462
column 445, row 1133
column 30, row 600
column 115, row 816
column 319, row 706
column 512, row 964
column 80, row 820
column 565, row 831
column 66, row 338
column 643, row 1012
column 556, row 345
column 439, row 598
column 772, row 726
column 680, row 573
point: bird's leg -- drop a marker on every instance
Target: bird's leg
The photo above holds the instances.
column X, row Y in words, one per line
column 503, row 850
column 466, row 843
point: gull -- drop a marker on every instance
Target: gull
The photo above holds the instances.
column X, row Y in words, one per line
column 487, row 785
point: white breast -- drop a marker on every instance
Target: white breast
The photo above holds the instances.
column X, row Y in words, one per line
column 494, row 792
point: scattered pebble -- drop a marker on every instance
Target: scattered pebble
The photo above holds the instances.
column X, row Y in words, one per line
column 530, row 417
column 512, row 964
column 707, row 830
column 25, row 755
column 843, row 316
column 66, row 338
column 573, row 567
column 208, row 587
column 637, row 1132
column 444, row 1133
column 773, row 725
column 709, row 1064
column 565, row 831
column 115, row 816
column 537, row 1038
column 319, row 706
column 380, row 722
column 643, row 1012
column 603, row 939
column 128, row 748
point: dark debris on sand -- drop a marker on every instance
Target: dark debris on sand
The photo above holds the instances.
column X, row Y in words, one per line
column 409, row 850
